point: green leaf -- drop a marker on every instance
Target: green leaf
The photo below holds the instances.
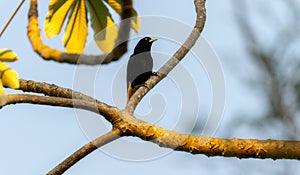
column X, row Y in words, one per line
column 99, row 13
column 105, row 30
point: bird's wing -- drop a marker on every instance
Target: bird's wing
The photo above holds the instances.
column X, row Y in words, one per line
column 137, row 65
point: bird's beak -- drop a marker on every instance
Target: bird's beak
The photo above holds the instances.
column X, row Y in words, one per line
column 152, row 40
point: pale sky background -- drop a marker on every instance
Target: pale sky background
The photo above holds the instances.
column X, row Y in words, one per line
column 36, row 138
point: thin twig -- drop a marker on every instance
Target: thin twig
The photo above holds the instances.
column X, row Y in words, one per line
column 11, row 17
column 84, row 151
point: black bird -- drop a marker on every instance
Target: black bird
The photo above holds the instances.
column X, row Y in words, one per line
column 140, row 65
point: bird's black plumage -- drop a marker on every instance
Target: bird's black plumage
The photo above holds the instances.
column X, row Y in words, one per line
column 140, row 65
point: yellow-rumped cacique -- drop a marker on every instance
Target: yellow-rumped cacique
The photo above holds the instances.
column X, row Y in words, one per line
column 140, row 65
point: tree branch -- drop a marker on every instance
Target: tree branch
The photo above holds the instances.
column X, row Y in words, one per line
column 51, row 90
column 51, row 101
column 241, row 148
column 48, row 53
column 84, row 151
column 174, row 60
column 76, row 99
column 125, row 124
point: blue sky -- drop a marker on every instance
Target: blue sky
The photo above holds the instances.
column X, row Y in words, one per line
column 36, row 138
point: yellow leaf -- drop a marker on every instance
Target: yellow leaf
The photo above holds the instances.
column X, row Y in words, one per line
column 55, row 19
column 135, row 19
column 3, row 67
column 2, row 95
column 115, row 5
column 111, row 33
column 53, row 2
column 9, row 77
column 135, row 24
column 8, row 55
column 76, row 32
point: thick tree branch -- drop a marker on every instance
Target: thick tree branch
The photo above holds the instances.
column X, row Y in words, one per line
column 51, row 90
column 84, row 151
column 176, row 58
column 125, row 124
column 48, row 53
column 241, row 148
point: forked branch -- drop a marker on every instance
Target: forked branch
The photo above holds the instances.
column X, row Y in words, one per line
column 125, row 124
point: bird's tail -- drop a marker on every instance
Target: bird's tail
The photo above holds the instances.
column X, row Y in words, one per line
column 130, row 91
